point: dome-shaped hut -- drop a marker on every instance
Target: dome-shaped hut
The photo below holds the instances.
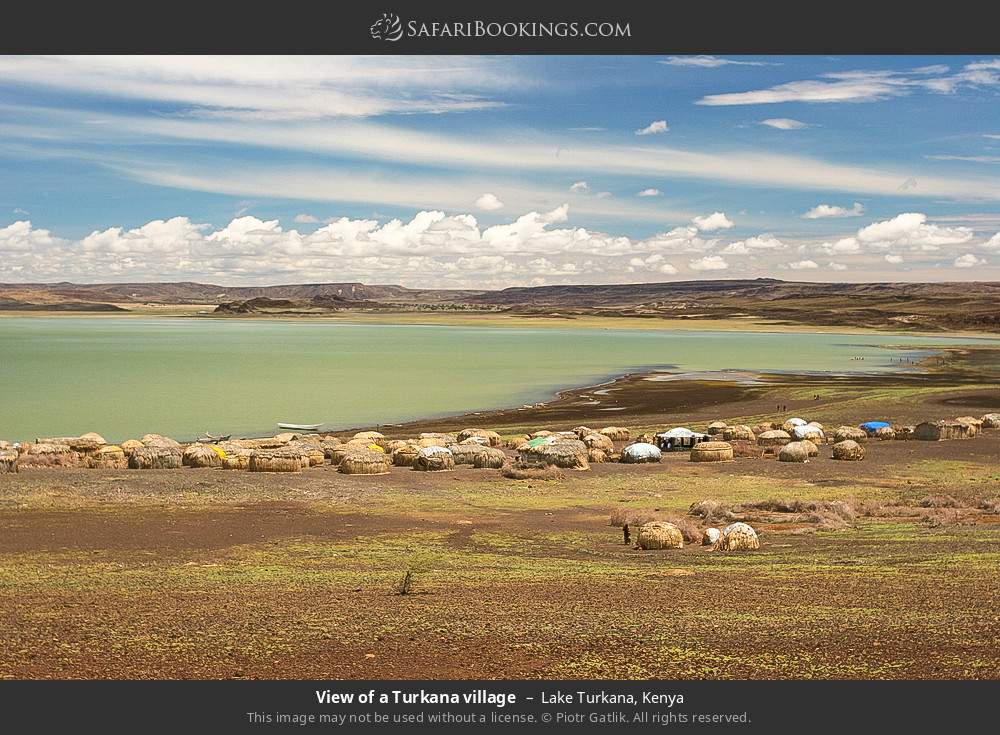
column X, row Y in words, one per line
column 659, row 535
column 364, row 462
column 848, row 450
column 155, row 457
column 616, row 433
column 795, row 452
column 641, row 453
column 202, row 455
column 773, row 438
column 108, row 457
column 434, row 459
column 491, row 458
column 738, row 537
column 712, row 452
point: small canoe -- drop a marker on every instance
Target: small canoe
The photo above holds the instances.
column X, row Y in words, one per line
column 300, row 427
column 209, row 439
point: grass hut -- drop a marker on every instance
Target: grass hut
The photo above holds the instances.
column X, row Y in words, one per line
column 740, row 432
column 202, row 455
column 940, row 431
column 808, row 432
column 711, row 537
column 437, row 440
column 712, row 452
column 8, row 461
column 569, row 455
column 849, row 450
column 599, row 441
column 466, row 453
column 641, row 453
column 434, row 459
column 796, row 452
column 157, row 440
column 274, row 460
column 491, row 458
column 155, row 457
column 539, row 434
column 738, row 537
column 616, row 433
column 885, row 433
column 974, row 424
column 404, row 456
column 47, row 455
column 582, row 431
column 790, row 424
column 773, row 438
column 364, row 462
column 492, row 438
column 235, row 457
column 312, row 454
column 991, row 421
column 659, row 535
column 853, row 433
column 903, row 432
column 597, row 456
column 108, row 457
column 130, row 445
column 716, row 427
column 371, row 437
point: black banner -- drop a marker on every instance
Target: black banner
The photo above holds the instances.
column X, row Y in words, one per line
column 460, row 707
column 449, row 27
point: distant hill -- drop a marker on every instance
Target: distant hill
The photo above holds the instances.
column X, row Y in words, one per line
column 905, row 306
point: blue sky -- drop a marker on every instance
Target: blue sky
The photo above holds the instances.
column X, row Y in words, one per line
column 497, row 171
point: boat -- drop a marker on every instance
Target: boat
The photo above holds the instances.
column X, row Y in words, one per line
column 300, row 427
column 210, row 439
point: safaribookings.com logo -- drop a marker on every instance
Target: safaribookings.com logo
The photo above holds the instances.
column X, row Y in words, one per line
column 390, row 28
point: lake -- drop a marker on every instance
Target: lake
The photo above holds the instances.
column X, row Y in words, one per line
column 124, row 377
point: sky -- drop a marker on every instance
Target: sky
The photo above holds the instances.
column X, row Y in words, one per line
column 491, row 171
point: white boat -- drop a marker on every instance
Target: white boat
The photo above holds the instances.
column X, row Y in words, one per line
column 300, row 427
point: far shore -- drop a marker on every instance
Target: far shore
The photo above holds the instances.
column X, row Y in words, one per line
column 499, row 320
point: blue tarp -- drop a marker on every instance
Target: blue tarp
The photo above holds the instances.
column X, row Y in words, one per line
column 873, row 425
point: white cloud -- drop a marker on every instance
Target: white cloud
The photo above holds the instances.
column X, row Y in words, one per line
column 803, row 265
column 713, row 221
column 894, row 259
column 489, row 202
column 603, row 195
column 306, row 219
column 910, row 231
column 864, row 86
column 993, row 243
column 968, row 261
column 579, row 187
column 784, row 123
column 649, row 193
column 836, row 266
column 760, row 243
column 709, row 263
column 657, row 126
column 708, row 62
column 655, row 262
column 821, row 211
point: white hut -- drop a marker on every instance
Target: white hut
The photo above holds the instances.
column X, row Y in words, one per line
column 679, row 438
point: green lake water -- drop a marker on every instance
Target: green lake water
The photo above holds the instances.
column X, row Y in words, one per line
column 123, row 377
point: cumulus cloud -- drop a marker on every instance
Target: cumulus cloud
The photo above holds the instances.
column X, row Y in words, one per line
column 657, row 126
column 760, row 243
column 968, row 261
column 894, row 259
column 713, row 221
column 821, row 211
column 709, row 263
column 655, row 262
column 802, row 265
column 993, row 243
column 784, row 123
column 489, row 202
column 836, row 266
column 579, row 187
column 649, row 193
column 911, row 231
column 306, row 219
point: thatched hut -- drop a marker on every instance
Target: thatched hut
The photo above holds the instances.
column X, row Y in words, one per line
column 739, row 432
column 491, row 458
column 312, row 455
column 790, row 424
column 157, row 440
column 737, row 537
column 364, row 462
column 155, row 457
column 849, row 450
column 108, row 457
column 843, row 433
column 885, row 433
column 616, row 433
column 641, row 453
column 712, row 452
column 235, row 457
column 773, row 438
column 659, row 535
column 47, row 455
column 811, row 447
column 597, row 456
column 274, row 460
column 582, row 431
column 795, row 452
column 599, row 441
column 940, row 431
column 711, row 537
column 492, row 438
column 404, row 456
column 466, row 453
column 371, row 437
column 130, row 445
column 975, row 425
column 8, row 461
column 434, row 459
column 764, row 426
column 202, row 455
column 991, row 421
column 565, row 454
column 716, row 427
